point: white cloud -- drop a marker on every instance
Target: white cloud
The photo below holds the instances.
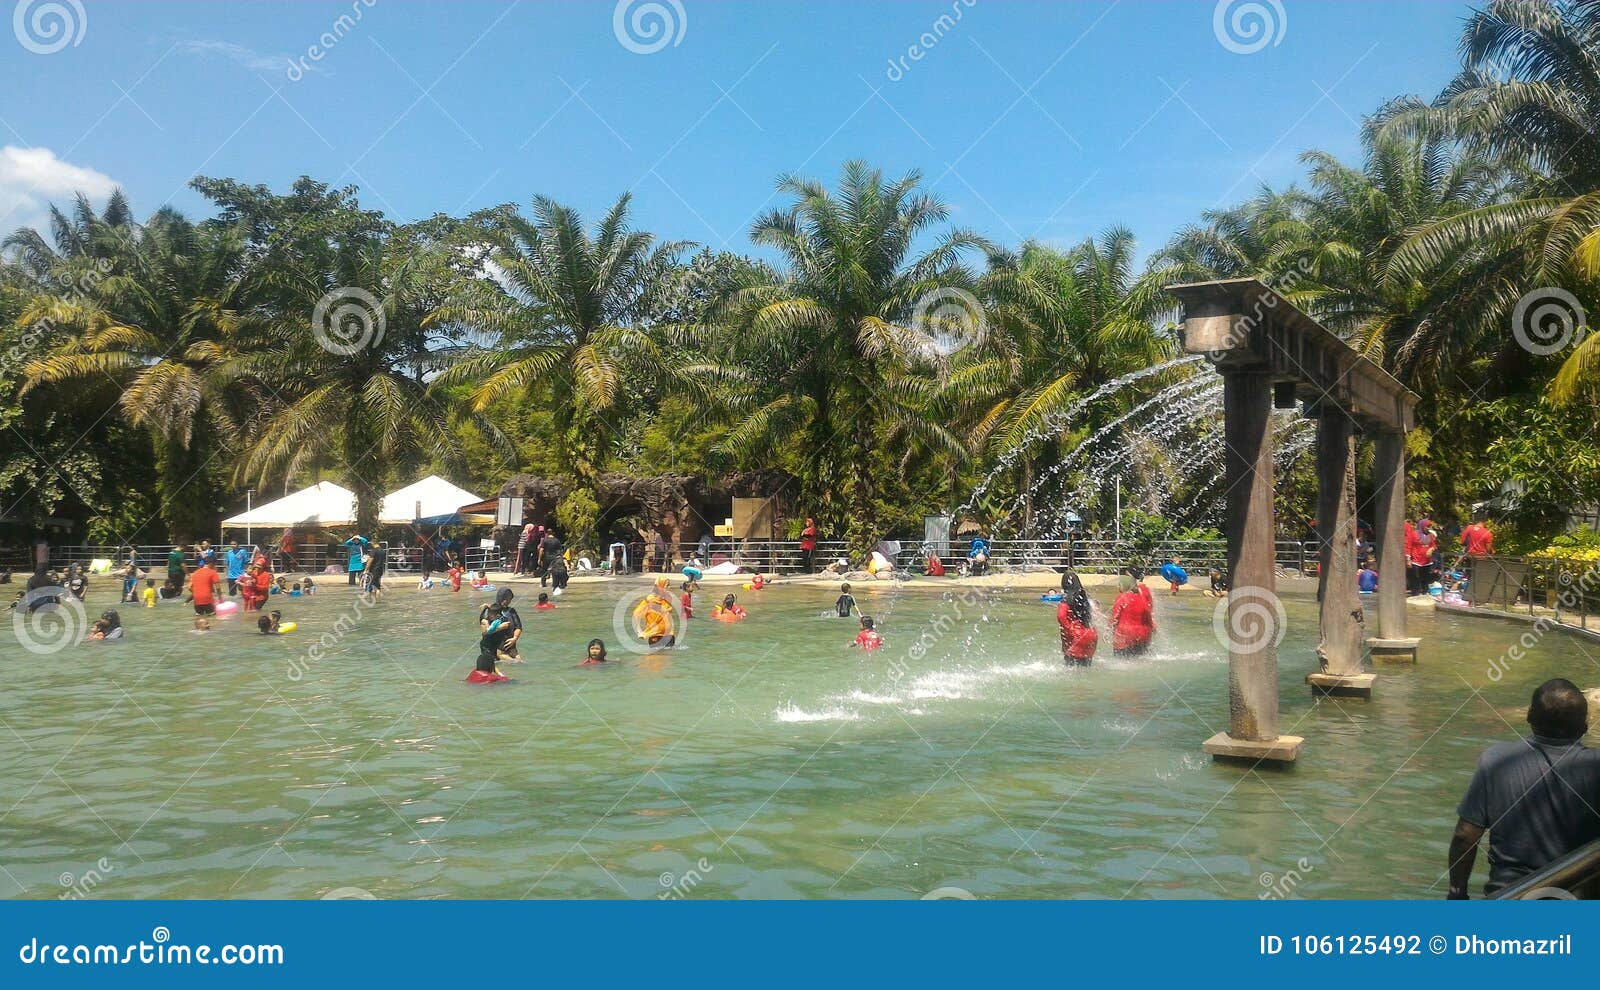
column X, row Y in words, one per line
column 33, row 178
column 248, row 57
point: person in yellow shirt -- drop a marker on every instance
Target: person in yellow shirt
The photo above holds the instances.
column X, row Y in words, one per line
column 652, row 618
column 149, row 593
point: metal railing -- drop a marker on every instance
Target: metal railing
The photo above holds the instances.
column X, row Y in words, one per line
column 1563, row 591
column 1575, row 876
column 768, row 556
column 312, row 558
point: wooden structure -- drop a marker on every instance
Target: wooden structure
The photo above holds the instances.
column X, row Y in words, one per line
column 1271, row 355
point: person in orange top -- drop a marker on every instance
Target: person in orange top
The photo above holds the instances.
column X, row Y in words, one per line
column 247, row 588
column 203, row 589
column 544, row 601
column 868, row 638
column 729, row 610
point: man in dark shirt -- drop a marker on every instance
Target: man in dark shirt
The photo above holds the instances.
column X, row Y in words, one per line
column 549, row 550
column 1536, row 797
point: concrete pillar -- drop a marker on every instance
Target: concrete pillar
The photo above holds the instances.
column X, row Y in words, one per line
column 1389, row 471
column 1253, row 613
column 1341, row 623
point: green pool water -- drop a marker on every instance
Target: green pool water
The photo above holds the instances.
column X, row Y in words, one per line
column 763, row 759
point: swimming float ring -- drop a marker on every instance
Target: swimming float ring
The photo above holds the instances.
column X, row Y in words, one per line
column 287, row 627
column 483, row 677
column 723, row 615
column 223, row 608
column 1051, row 597
column 691, row 571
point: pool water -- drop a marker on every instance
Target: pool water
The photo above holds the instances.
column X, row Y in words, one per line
column 763, row 759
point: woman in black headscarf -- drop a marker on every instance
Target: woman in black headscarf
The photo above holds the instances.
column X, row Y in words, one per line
column 1075, row 615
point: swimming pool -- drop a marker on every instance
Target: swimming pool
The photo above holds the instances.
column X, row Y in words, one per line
column 763, row 759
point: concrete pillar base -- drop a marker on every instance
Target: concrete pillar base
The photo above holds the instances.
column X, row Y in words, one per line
column 1342, row 686
column 1280, row 751
column 1393, row 650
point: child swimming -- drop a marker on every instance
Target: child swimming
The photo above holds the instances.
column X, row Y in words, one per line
column 544, row 601
column 868, row 638
column 202, row 624
column 595, row 655
column 480, row 580
column 268, row 624
column 729, row 610
column 109, row 626
column 846, row 603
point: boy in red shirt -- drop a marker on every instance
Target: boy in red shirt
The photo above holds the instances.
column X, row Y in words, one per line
column 203, row 589
column 868, row 638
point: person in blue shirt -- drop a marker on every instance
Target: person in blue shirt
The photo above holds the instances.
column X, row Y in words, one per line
column 1174, row 575
column 358, row 547
column 237, row 558
column 978, row 555
column 1367, row 578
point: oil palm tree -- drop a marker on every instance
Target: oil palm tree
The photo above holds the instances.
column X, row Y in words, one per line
column 841, row 349
column 1060, row 324
column 1528, row 97
column 347, row 380
column 567, row 314
column 158, row 328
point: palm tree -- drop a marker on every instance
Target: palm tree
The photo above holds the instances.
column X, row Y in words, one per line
column 1528, row 98
column 159, row 326
column 1061, row 324
column 357, row 340
column 840, row 349
column 568, row 314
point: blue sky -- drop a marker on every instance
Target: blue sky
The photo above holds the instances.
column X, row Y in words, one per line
column 1031, row 119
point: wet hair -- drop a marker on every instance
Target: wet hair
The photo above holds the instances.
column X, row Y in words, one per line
column 264, row 623
column 866, row 622
column 594, row 643
column 276, row 615
column 1076, row 598
column 684, row 587
column 111, row 618
column 543, row 597
column 503, row 597
column 728, row 600
column 1559, row 710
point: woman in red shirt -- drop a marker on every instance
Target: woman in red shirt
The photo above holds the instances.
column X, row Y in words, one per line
column 1132, row 619
column 808, row 544
column 1075, row 615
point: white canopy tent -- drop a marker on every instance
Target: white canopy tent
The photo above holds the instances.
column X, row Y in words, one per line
column 432, row 496
column 323, row 504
